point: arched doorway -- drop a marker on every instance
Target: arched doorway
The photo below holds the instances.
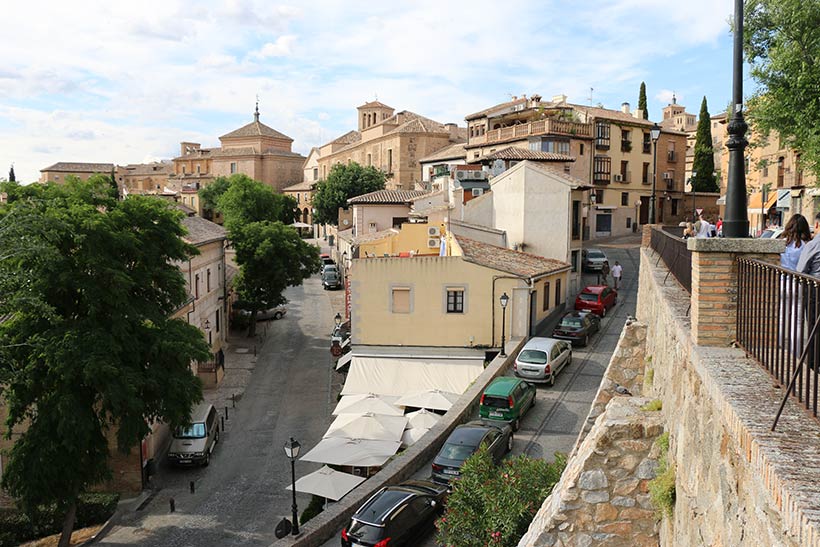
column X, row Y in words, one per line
column 305, row 216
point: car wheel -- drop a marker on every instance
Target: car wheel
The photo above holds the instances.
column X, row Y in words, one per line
column 516, row 424
column 277, row 315
column 207, row 461
column 216, row 437
column 603, row 311
column 552, row 380
column 510, row 443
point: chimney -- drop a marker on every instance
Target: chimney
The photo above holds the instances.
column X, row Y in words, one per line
column 187, row 147
column 559, row 99
column 638, row 114
column 452, row 128
column 625, row 108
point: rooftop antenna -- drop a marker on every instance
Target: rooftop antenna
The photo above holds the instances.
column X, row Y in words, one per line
column 256, row 112
column 591, row 89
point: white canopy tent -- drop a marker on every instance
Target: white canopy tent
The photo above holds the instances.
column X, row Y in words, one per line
column 328, row 483
column 356, row 452
column 400, row 376
column 370, row 402
column 422, row 419
column 410, row 436
column 433, row 399
column 367, row 426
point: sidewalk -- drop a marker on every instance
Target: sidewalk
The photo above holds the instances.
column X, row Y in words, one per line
column 240, row 360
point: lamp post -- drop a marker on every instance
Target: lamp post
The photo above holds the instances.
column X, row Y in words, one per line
column 504, row 299
column 292, row 452
column 655, row 134
column 692, row 189
column 736, row 221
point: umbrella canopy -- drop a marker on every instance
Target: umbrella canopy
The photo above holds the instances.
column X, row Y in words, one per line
column 433, row 399
column 357, row 452
column 344, row 359
column 300, row 225
column 422, row 419
column 377, row 427
column 328, row 483
column 410, row 436
column 370, row 402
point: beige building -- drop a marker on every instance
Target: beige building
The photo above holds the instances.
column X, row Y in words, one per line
column 60, row 170
column 391, row 142
column 303, row 194
column 380, row 210
column 145, row 178
column 311, row 167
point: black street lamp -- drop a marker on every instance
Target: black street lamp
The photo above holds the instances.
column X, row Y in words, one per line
column 736, row 221
column 692, row 189
column 292, row 452
column 655, row 134
column 504, row 299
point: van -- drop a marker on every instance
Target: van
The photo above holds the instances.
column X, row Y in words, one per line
column 193, row 445
column 507, row 399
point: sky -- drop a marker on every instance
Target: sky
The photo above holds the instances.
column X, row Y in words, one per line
column 126, row 82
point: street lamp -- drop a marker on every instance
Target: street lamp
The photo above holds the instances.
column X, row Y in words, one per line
column 692, row 189
column 655, row 134
column 504, row 299
column 292, row 452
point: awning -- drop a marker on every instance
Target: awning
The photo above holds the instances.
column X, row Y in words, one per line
column 433, row 399
column 356, row 452
column 402, row 376
column 756, row 199
column 327, row 483
column 412, row 435
column 370, row 402
column 377, row 427
column 422, row 419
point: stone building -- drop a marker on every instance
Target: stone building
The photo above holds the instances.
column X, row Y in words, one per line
column 60, row 170
column 148, row 178
column 303, row 194
column 391, row 142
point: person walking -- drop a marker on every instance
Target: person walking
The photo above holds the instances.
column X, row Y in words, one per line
column 605, row 273
column 617, row 271
column 809, row 264
column 702, row 228
column 797, row 235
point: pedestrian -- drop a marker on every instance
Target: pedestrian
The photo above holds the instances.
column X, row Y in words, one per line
column 617, row 271
column 702, row 227
column 719, row 226
column 809, row 264
column 797, row 234
column 605, row 273
column 688, row 231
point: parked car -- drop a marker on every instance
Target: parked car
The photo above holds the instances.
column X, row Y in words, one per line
column 541, row 359
column 593, row 259
column 331, row 279
column 507, row 398
column 577, row 326
column 326, row 259
column 396, row 515
column 464, row 441
column 597, row 299
column 193, row 445
column 263, row 315
column 330, row 267
column 771, row 233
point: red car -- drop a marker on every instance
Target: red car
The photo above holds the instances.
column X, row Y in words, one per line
column 597, row 299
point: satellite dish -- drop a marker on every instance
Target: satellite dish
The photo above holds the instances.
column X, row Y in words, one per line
column 283, row 528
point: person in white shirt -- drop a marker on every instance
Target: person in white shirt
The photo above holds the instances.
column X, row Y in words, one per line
column 702, row 228
column 617, row 271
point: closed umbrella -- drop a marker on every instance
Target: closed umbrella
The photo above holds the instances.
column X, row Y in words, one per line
column 433, row 399
column 377, row 427
column 328, row 483
column 410, row 436
column 422, row 419
column 370, row 402
column 355, row 452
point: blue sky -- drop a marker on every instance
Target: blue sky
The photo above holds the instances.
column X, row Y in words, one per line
column 125, row 82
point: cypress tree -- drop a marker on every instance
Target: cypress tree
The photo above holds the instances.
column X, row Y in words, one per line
column 703, row 165
column 642, row 101
column 12, row 176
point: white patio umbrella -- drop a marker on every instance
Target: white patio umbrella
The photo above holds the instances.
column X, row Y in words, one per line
column 377, row 427
column 356, row 452
column 410, row 436
column 300, row 225
column 328, row 483
column 370, row 402
column 433, row 399
column 422, row 419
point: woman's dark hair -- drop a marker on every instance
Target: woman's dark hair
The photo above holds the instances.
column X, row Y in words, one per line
column 797, row 231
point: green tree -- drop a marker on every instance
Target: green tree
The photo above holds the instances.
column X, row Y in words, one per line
column 342, row 183
column 703, row 165
column 89, row 348
column 246, row 200
column 642, row 105
column 209, row 195
column 782, row 44
column 494, row 505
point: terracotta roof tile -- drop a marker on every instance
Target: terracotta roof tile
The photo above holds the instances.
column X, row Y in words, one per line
column 616, row 115
column 516, row 153
column 154, row 168
column 304, row 186
column 201, row 231
column 482, row 113
column 387, row 197
column 452, row 152
column 348, row 138
column 255, row 129
column 374, row 104
column 507, row 260
column 78, row 167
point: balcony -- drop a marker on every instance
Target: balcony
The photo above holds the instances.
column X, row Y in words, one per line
column 601, row 178
column 531, row 129
column 602, row 143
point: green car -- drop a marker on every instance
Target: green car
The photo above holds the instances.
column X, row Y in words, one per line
column 507, row 398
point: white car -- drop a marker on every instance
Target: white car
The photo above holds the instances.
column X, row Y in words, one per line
column 263, row 315
column 542, row 358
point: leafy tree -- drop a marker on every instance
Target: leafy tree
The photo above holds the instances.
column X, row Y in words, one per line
column 782, row 44
column 342, row 183
column 246, row 200
column 89, row 349
column 494, row 505
column 642, row 101
column 12, row 176
column 703, row 165
column 210, row 194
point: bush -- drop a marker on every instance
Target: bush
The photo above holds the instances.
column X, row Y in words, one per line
column 316, row 506
column 662, row 487
column 653, row 406
column 494, row 505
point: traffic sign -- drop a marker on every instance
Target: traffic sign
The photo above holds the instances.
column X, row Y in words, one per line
column 699, row 211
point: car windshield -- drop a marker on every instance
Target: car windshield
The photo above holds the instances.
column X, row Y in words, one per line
column 196, row 431
column 534, row 356
column 458, row 452
column 496, row 402
column 571, row 322
column 364, row 532
column 596, row 254
column 587, row 297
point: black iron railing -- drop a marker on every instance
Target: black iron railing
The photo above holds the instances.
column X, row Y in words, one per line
column 778, row 312
column 671, row 248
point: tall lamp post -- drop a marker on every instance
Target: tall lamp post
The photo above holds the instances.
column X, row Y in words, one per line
column 655, row 134
column 736, row 223
column 692, row 189
column 504, row 299
column 292, row 452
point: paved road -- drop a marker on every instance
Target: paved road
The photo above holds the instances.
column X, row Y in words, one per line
column 240, row 497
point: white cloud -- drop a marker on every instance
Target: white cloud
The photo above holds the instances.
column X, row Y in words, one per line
column 665, row 96
column 280, row 48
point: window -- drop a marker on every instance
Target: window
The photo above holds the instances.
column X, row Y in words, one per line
column 599, row 196
column 576, row 219
column 629, row 222
column 297, row 198
column 233, row 167
column 217, row 320
column 556, row 146
column 475, row 155
column 675, row 207
column 546, row 295
column 197, row 169
column 624, row 171
column 557, row 292
column 645, row 173
column 455, row 300
column 369, row 159
column 196, row 286
column 315, row 173
column 625, row 200
column 183, row 169
column 400, row 300
column 574, row 261
column 602, row 135
column 603, row 222
column 208, row 280
column 389, row 160
column 581, row 150
column 602, row 170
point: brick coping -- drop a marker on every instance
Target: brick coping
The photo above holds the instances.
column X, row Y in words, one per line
column 735, row 245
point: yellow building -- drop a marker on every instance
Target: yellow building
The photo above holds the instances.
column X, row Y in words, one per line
column 302, row 192
column 60, row 170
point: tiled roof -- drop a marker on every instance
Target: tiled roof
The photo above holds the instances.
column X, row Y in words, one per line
column 185, row 209
column 75, row 167
column 375, row 236
column 482, row 113
column 348, row 138
column 507, row 260
column 516, row 153
column 255, row 129
column 154, row 168
column 387, row 197
column 616, row 115
column 304, row 186
column 452, row 152
column 374, row 104
column 201, row 231
column 198, row 153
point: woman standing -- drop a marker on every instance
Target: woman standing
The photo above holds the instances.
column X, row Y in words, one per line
column 797, row 234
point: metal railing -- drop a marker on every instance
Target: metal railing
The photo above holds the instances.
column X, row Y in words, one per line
column 671, row 248
column 778, row 312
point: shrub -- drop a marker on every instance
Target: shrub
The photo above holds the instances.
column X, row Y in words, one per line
column 494, row 505
column 662, row 487
column 653, row 406
column 316, row 506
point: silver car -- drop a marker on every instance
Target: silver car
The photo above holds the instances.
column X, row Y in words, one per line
column 593, row 259
column 194, row 445
column 541, row 359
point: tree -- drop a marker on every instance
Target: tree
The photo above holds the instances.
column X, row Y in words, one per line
column 209, row 195
column 246, row 200
column 782, row 44
column 89, row 348
column 494, row 505
column 12, row 176
column 642, row 101
column 703, row 165
column 342, row 183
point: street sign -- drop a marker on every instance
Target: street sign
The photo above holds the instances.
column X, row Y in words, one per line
column 699, row 211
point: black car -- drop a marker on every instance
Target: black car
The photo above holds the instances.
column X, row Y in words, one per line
column 464, row 441
column 577, row 326
column 396, row 515
column 331, row 279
